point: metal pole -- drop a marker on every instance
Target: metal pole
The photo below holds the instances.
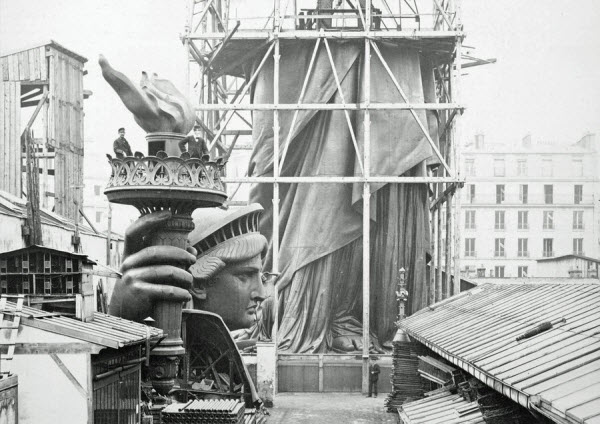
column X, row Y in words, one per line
column 366, row 211
column 108, row 234
column 276, row 170
column 456, row 135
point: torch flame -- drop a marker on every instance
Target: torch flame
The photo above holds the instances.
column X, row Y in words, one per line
column 157, row 106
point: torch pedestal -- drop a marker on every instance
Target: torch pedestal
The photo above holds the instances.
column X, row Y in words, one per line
column 180, row 185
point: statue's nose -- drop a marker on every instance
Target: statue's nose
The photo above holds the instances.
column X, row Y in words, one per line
column 258, row 291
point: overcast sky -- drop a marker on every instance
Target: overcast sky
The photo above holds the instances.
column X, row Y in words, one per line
column 546, row 81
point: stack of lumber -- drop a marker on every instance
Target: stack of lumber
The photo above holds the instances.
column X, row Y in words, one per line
column 204, row 412
column 406, row 383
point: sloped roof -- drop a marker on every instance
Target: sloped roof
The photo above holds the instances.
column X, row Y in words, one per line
column 443, row 408
column 105, row 330
column 16, row 207
column 81, row 256
column 571, row 255
column 556, row 372
column 42, row 43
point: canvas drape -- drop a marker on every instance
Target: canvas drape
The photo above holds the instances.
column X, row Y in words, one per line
column 321, row 224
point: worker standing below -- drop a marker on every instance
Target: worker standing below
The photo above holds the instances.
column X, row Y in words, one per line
column 373, row 377
column 121, row 146
column 196, row 145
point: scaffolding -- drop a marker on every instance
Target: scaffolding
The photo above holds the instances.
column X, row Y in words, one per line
column 217, row 43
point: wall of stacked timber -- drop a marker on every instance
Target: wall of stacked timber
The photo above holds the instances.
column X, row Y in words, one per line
column 61, row 72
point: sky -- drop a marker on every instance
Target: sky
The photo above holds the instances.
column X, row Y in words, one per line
column 546, row 81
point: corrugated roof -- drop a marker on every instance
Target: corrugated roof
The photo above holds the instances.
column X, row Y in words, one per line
column 443, row 408
column 49, row 249
column 556, row 372
column 105, row 330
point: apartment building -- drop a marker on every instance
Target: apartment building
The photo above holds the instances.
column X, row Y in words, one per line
column 526, row 203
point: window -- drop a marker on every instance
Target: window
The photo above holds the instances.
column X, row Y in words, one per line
column 3, row 286
column 522, row 271
column 546, row 167
column 499, row 168
column 499, row 220
column 471, row 193
column 97, row 189
column 98, row 216
column 470, row 220
column 524, row 193
column 470, row 167
column 578, row 220
column 578, row 246
column 522, row 167
column 548, row 250
column 470, row 247
column 548, row 194
column 548, row 220
column 522, row 250
column 69, row 285
column 499, row 193
column 523, row 218
column 577, row 168
column 47, row 285
column 499, row 271
column 577, row 194
column 499, row 248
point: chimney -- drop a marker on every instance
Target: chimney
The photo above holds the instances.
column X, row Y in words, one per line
column 85, row 305
column 526, row 142
column 479, row 141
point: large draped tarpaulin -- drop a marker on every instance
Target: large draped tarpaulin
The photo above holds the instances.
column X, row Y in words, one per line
column 320, row 225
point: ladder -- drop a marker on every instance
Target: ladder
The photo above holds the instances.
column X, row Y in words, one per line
column 13, row 326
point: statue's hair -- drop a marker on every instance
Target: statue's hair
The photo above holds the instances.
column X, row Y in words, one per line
column 235, row 249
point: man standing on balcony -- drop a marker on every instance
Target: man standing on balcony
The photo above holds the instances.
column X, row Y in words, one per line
column 121, row 146
column 196, row 145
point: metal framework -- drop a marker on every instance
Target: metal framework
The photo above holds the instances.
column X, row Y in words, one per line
column 224, row 107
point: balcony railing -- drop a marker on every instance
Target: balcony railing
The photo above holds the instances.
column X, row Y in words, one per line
column 523, row 253
column 548, row 253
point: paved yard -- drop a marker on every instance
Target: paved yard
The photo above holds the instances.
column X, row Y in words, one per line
column 348, row 408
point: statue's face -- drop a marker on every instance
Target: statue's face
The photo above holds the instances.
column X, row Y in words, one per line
column 236, row 293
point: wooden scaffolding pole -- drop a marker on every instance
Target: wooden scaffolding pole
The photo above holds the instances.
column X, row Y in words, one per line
column 276, row 170
column 456, row 136
column 366, row 233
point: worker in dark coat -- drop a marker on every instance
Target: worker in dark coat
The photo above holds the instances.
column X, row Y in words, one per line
column 373, row 378
column 121, row 146
column 196, row 145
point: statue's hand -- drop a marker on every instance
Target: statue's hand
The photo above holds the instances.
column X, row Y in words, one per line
column 150, row 273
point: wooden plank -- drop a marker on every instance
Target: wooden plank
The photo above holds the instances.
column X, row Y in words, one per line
column 21, row 60
column 17, row 147
column 46, row 348
column 11, row 67
column 4, row 119
column 11, row 135
column 69, row 375
column 33, row 71
column 43, row 63
column 26, row 71
column 4, row 65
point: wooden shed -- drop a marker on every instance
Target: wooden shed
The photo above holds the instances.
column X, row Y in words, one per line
column 49, row 78
column 75, row 371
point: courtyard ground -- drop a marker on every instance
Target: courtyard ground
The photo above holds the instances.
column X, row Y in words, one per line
column 348, row 408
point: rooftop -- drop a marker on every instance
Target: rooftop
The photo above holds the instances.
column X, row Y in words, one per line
column 555, row 372
column 43, row 43
column 105, row 330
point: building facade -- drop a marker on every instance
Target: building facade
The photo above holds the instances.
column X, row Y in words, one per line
column 528, row 202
